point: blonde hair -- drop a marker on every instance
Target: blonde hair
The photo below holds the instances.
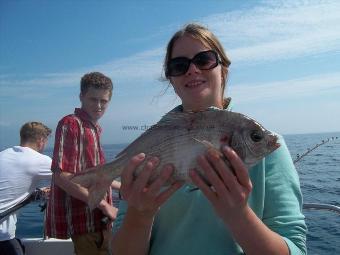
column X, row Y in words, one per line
column 33, row 131
column 205, row 36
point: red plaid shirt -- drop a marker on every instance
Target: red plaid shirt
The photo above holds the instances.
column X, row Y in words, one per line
column 77, row 147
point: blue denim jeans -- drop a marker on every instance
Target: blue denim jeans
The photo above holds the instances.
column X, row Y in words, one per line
column 11, row 247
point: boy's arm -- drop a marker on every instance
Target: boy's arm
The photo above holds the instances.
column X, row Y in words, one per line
column 63, row 180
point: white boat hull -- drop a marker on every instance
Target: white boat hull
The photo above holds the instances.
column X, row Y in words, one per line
column 37, row 246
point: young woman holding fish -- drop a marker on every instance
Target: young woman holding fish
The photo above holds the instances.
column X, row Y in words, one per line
column 253, row 212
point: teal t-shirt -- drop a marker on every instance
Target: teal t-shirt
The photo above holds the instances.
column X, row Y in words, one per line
column 187, row 224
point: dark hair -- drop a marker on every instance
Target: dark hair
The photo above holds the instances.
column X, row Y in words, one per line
column 205, row 36
column 33, row 131
column 95, row 80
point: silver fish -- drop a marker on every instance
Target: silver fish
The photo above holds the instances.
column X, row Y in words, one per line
column 178, row 138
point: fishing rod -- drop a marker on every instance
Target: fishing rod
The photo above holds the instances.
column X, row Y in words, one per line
column 38, row 194
column 299, row 157
column 318, row 206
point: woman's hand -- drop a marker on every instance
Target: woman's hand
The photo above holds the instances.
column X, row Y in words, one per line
column 145, row 197
column 230, row 183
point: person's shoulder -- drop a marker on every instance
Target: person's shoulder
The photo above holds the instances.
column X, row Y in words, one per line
column 6, row 150
column 4, row 153
column 42, row 156
column 32, row 153
column 46, row 159
column 39, row 161
column 70, row 120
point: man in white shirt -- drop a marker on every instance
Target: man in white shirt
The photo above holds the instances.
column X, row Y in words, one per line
column 21, row 169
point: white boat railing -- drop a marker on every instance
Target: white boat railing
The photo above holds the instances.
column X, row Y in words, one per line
column 324, row 207
column 317, row 206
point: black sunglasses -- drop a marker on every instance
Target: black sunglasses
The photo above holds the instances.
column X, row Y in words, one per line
column 204, row 60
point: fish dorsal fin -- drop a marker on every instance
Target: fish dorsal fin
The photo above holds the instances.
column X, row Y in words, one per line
column 187, row 119
column 176, row 119
column 171, row 120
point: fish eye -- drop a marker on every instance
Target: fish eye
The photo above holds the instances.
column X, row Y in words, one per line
column 256, row 136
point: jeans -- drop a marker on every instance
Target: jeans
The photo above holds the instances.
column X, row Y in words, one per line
column 11, row 247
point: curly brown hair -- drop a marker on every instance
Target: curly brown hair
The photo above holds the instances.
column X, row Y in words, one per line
column 33, row 131
column 95, row 80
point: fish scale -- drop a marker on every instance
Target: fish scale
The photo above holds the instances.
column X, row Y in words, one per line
column 179, row 138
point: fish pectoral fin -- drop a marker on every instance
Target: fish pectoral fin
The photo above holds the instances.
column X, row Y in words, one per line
column 210, row 147
column 206, row 143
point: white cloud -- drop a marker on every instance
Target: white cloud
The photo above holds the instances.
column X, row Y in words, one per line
column 288, row 29
column 146, row 65
column 272, row 31
column 48, row 79
column 143, row 66
column 306, row 86
column 5, row 123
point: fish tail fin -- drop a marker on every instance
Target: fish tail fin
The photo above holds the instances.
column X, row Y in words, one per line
column 98, row 181
column 97, row 192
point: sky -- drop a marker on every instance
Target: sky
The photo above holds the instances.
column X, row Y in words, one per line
column 285, row 56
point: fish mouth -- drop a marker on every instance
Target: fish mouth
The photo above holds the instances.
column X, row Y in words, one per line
column 276, row 145
column 273, row 142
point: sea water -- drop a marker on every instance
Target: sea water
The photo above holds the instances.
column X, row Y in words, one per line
column 319, row 173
